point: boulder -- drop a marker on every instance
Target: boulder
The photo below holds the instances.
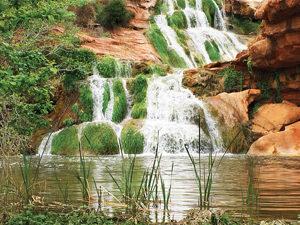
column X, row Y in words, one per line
column 245, row 8
column 233, row 107
column 284, row 143
column 270, row 118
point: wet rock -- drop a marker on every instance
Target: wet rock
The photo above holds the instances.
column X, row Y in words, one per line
column 241, row 7
column 270, row 118
column 285, row 143
column 233, row 107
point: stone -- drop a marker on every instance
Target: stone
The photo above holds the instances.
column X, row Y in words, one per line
column 245, row 8
column 270, row 118
column 233, row 107
column 283, row 143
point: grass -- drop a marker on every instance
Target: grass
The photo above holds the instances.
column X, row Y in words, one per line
column 132, row 140
column 212, row 50
column 99, row 139
column 87, row 102
column 178, row 19
column 168, row 56
column 106, row 98
column 139, row 109
column 181, row 4
column 209, row 9
column 120, row 104
column 244, row 25
column 65, row 142
column 233, row 79
column 107, row 67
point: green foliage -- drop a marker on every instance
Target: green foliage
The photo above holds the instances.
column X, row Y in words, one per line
column 181, row 3
column 159, row 70
column 75, row 108
column 99, row 139
column 178, row 19
column 106, row 98
column 212, row 50
column 157, row 8
column 193, row 21
column 120, row 104
column 244, row 25
column 255, row 109
column 233, row 79
column 168, row 56
column 87, row 102
column 107, row 67
column 113, row 14
column 66, row 142
column 180, row 37
column 209, row 9
column 139, row 109
column 68, row 122
column 250, row 65
column 264, row 87
column 132, row 140
column 192, row 3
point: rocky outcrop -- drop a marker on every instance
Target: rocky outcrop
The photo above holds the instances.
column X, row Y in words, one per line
column 270, row 118
column 233, row 107
column 245, row 8
column 285, row 143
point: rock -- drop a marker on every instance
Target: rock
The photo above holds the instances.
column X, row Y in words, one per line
column 241, row 7
column 285, row 143
column 233, row 107
column 270, row 118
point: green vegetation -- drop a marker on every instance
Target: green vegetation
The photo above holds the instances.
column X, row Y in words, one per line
column 87, row 102
column 181, row 38
column 68, row 122
column 244, row 25
column 99, row 139
column 159, row 70
column 132, row 140
column 75, row 108
column 212, row 50
column 276, row 77
column 209, row 9
column 255, row 109
column 113, row 14
column 181, row 3
column 233, row 79
column 265, row 89
column 193, row 21
column 106, row 98
column 120, row 104
column 168, row 56
column 250, row 65
column 178, row 20
column 66, row 142
column 139, row 109
column 192, row 3
column 107, row 67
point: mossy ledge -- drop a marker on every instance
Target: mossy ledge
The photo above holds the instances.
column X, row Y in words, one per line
column 139, row 109
column 132, row 140
column 120, row 104
column 66, row 142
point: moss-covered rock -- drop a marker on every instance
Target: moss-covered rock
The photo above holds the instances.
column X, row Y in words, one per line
column 132, row 140
column 212, row 50
column 177, row 19
column 106, row 97
column 209, row 9
column 99, row 139
column 139, row 109
column 87, row 103
column 107, row 67
column 66, row 142
column 120, row 104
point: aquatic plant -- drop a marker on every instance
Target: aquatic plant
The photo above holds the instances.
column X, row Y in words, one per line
column 87, row 102
column 132, row 140
column 107, row 67
column 192, row 3
column 106, row 97
column 139, row 109
column 233, row 79
column 212, row 50
column 64, row 192
column 209, row 9
column 120, row 104
column 177, row 19
column 181, row 4
column 65, row 142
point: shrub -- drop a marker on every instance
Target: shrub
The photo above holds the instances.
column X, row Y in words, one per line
column 120, row 104
column 212, row 50
column 66, row 142
column 178, row 20
column 106, row 98
column 132, row 140
column 87, row 102
column 114, row 14
column 85, row 15
column 68, row 122
column 244, row 25
column 139, row 109
column 107, row 67
column 233, row 79
column 100, row 139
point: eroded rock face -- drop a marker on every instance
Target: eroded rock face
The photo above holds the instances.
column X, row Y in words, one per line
column 285, row 143
column 270, row 118
column 233, row 107
column 241, row 7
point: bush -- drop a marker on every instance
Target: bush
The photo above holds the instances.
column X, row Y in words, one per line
column 100, row 139
column 106, row 98
column 233, row 79
column 120, row 104
column 114, row 14
column 212, row 50
column 132, row 140
column 85, row 15
column 87, row 102
column 66, row 142
column 107, row 67
column 178, row 20
column 139, row 109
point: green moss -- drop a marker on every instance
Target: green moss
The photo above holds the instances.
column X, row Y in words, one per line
column 159, row 70
column 99, row 139
column 106, row 98
column 193, row 21
column 107, row 67
column 132, row 140
column 175, row 59
column 66, row 142
column 212, row 50
column 178, row 19
column 120, row 104
column 244, row 25
column 192, row 3
column 181, row 3
column 254, row 109
column 87, row 102
column 233, row 79
column 75, row 108
column 68, row 122
column 264, row 87
column 139, row 109
column 219, row 3
column 209, row 9
column 181, row 38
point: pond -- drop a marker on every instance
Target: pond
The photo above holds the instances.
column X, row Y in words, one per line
column 275, row 182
